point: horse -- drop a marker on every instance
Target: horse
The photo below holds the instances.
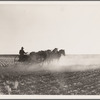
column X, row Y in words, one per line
column 39, row 56
column 61, row 52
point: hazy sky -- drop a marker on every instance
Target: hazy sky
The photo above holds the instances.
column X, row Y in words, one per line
column 73, row 26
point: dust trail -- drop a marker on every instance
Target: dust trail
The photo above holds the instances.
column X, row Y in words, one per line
column 73, row 63
column 65, row 63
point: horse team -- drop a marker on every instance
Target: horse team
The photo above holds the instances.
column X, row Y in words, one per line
column 47, row 55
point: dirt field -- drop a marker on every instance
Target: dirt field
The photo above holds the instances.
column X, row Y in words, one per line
column 42, row 82
column 47, row 83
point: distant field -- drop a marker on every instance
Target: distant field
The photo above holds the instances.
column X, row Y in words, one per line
column 7, row 60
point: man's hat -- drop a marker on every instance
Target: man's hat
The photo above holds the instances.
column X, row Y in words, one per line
column 22, row 47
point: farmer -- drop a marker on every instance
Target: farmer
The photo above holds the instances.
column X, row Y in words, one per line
column 21, row 54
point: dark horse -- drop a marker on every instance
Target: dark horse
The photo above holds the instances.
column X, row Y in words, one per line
column 39, row 56
column 61, row 52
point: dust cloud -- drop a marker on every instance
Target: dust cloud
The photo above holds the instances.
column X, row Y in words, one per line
column 69, row 63
column 64, row 64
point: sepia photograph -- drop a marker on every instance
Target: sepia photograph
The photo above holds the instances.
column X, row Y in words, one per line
column 50, row 48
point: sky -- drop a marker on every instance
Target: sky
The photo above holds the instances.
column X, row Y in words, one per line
column 73, row 26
